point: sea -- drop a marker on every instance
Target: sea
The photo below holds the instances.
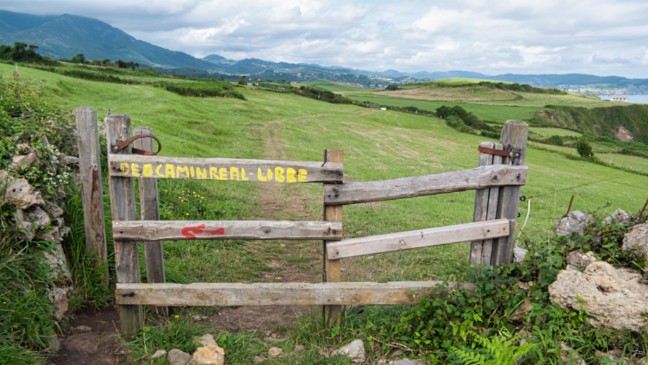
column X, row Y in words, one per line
column 637, row 99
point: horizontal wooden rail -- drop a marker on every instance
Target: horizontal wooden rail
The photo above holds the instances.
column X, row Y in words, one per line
column 223, row 169
column 221, row 230
column 410, row 187
column 236, row 294
column 418, row 239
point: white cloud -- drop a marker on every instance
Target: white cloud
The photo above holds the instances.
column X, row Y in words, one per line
column 490, row 36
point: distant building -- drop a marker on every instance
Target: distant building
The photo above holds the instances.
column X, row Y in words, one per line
column 620, row 99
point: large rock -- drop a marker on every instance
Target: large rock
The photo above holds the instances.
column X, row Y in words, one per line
column 355, row 351
column 614, row 298
column 637, row 240
column 18, row 192
column 574, row 222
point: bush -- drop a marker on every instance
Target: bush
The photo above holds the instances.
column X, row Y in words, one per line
column 584, row 148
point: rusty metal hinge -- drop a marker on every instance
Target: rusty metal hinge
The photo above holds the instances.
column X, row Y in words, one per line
column 509, row 151
column 124, row 144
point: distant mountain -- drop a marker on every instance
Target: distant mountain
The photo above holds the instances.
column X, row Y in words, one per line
column 63, row 36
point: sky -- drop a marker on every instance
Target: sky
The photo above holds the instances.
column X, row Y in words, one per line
column 492, row 37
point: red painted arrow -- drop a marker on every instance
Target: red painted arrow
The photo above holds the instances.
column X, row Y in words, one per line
column 192, row 231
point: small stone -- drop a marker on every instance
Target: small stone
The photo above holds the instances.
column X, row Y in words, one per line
column 274, row 352
column 211, row 354
column 199, row 318
column 637, row 240
column 355, row 351
column 407, row 362
column 521, row 312
column 178, row 357
column 18, row 192
column 205, row 340
column 158, row 354
column 579, row 259
column 87, row 343
column 22, row 162
column 519, row 254
column 299, row 348
column 258, row 359
column 574, row 222
column 618, row 216
column 82, row 329
column 53, row 344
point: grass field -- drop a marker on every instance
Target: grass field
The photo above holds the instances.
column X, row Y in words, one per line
column 377, row 145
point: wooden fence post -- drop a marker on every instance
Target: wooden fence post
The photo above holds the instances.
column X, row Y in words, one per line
column 150, row 210
column 91, row 186
column 514, row 135
column 332, row 268
column 494, row 203
column 122, row 201
column 485, row 208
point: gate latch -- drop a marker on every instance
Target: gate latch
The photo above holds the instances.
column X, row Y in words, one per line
column 509, row 151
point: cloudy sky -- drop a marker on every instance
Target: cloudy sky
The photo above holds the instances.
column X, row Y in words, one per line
column 514, row 36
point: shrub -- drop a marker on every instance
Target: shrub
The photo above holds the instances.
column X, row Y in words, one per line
column 584, row 148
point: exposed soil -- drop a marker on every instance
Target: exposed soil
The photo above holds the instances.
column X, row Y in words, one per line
column 277, row 203
column 91, row 338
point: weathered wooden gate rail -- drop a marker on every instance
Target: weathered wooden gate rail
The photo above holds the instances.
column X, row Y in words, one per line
column 497, row 223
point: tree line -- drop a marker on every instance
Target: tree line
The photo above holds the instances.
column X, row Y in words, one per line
column 23, row 52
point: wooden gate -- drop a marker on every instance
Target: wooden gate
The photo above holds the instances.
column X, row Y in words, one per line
column 497, row 181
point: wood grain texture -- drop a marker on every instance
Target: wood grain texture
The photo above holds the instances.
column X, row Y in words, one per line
column 150, row 210
column 515, row 134
column 418, row 239
column 224, row 169
column 91, row 187
column 122, row 201
column 481, row 251
column 332, row 269
column 410, row 187
column 238, row 294
column 219, row 230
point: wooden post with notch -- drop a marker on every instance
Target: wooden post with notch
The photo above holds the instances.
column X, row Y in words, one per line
column 332, row 268
column 485, row 208
column 150, row 210
column 514, row 136
column 122, row 201
column 91, row 187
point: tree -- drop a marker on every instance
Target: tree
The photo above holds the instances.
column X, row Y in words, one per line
column 392, row 87
column 242, row 80
column 584, row 148
column 79, row 58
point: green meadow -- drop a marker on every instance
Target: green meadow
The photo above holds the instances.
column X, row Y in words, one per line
column 377, row 144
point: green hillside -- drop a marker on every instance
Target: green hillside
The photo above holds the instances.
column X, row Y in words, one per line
column 377, row 144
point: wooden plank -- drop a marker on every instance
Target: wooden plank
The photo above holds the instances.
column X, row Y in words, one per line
column 238, row 294
column 122, row 201
column 91, row 187
column 410, row 187
column 485, row 208
column 221, row 230
column 150, row 210
column 332, row 269
column 223, row 169
column 418, row 239
column 515, row 134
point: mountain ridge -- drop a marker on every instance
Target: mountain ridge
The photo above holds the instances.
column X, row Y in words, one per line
column 63, row 36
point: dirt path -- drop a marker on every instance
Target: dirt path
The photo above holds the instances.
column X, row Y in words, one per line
column 277, row 201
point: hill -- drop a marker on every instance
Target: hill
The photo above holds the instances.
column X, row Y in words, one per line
column 63, row 36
